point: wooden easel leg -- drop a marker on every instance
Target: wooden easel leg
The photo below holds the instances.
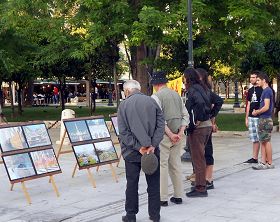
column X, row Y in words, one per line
column 119, row 160
column 60, row 146
column 54, row 186
column 97, row 168
column 91, row 178
column 25, row 193
column 12, row 187
column 113, row 173
column 74, row 171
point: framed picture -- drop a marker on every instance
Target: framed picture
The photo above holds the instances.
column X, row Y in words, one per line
column 19, row 166
column 36, row 135
column 45, row 161
column 77, row 131
column 12, row 138
column 86, row 155
column 106, row 151
column 114, row 120
column 98, row 128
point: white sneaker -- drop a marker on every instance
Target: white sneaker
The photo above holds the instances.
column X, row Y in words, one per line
column 270, row 166
column 260, row 166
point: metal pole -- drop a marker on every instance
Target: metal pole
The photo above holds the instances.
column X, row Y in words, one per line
column 186, row 155
column 236, row 102
column 190, row 40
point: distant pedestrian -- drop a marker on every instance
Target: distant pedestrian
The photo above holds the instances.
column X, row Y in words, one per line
column 252, row 121
column 141, row 128
column 177, row 118
column 265, row 113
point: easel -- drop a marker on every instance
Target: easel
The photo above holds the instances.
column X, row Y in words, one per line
column 90, row 175
column 26, row 194
column 31, row 177
column 112, row 127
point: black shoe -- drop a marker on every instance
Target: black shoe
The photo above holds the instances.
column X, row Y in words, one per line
column 252, row 160
column 164, row 203
column 195, row 193
column 209, row 185
column 155, row 219
column 128, row 219
column 176, row 200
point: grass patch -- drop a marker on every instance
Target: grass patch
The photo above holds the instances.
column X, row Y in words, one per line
column 53, row 113
column 231, row 122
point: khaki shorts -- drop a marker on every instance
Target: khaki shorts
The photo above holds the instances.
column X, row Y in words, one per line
column 265, row 129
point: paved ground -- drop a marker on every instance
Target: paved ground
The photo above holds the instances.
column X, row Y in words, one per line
column 241, row 193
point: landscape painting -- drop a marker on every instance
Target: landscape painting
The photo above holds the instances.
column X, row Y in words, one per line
column 86, row 155
column 37, row 135
column 98, row 128
column 19, row 166
column 77, row 131
column 45, row 161
column 106, row 151
column 115, row 124
column 12, row 138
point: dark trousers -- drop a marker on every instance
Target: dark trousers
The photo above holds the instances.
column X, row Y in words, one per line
column 209, row 152
column 197, row 140
column 132, row 201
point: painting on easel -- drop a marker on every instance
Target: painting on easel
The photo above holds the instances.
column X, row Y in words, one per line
column 98, row 128
column 11, row 139
column 19, row 166
column 77, row 131
column 114, row 120
column 37, row 135
column 106, row 151
column 86, row 155
column 45, row 161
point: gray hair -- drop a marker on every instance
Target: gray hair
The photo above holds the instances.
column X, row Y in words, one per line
column 132, row 85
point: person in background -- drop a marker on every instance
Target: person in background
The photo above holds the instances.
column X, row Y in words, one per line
column 141, row 128
column 265, row 126
column 252, row 121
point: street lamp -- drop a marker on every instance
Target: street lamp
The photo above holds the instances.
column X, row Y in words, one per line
column 187, row 156
column 236, row 101
column 110, row 99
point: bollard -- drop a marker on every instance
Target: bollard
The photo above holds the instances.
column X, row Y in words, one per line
column 65, row 114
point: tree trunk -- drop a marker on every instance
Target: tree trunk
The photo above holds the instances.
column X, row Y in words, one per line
column 29, row 94
column 117, row 93
column 62, row 86
column 139, row 70
column 19, row 92
column 12, row 100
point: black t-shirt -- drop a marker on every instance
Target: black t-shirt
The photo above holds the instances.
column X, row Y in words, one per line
column 254, row 97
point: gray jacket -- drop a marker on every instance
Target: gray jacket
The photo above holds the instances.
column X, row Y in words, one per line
column 141, row 123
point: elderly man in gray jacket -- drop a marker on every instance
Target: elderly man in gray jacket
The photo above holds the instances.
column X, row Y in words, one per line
column 141, row 128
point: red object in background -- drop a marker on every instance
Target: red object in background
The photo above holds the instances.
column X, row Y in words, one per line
column 55, row 90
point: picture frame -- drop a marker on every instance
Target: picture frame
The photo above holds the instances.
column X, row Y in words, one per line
column 86, row 155
column 77, row 130
column 98, row 128
column 45, row 161
column 105, row 151
column 114, row 120
column 36, row 135
column 19, row 166
column 12, row 139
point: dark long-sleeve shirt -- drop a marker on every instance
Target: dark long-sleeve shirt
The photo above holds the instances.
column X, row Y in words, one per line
column 217, row 101
column 141, row 123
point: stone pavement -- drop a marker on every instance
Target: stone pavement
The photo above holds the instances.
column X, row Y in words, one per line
column 240, row 194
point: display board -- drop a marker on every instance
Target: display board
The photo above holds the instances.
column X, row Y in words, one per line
column 27, row 152
column 91, row 143
column 114, row 120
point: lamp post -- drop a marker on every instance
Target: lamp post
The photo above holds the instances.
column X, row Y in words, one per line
column 187, row 156
column 236, row 101
column 110, row 101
